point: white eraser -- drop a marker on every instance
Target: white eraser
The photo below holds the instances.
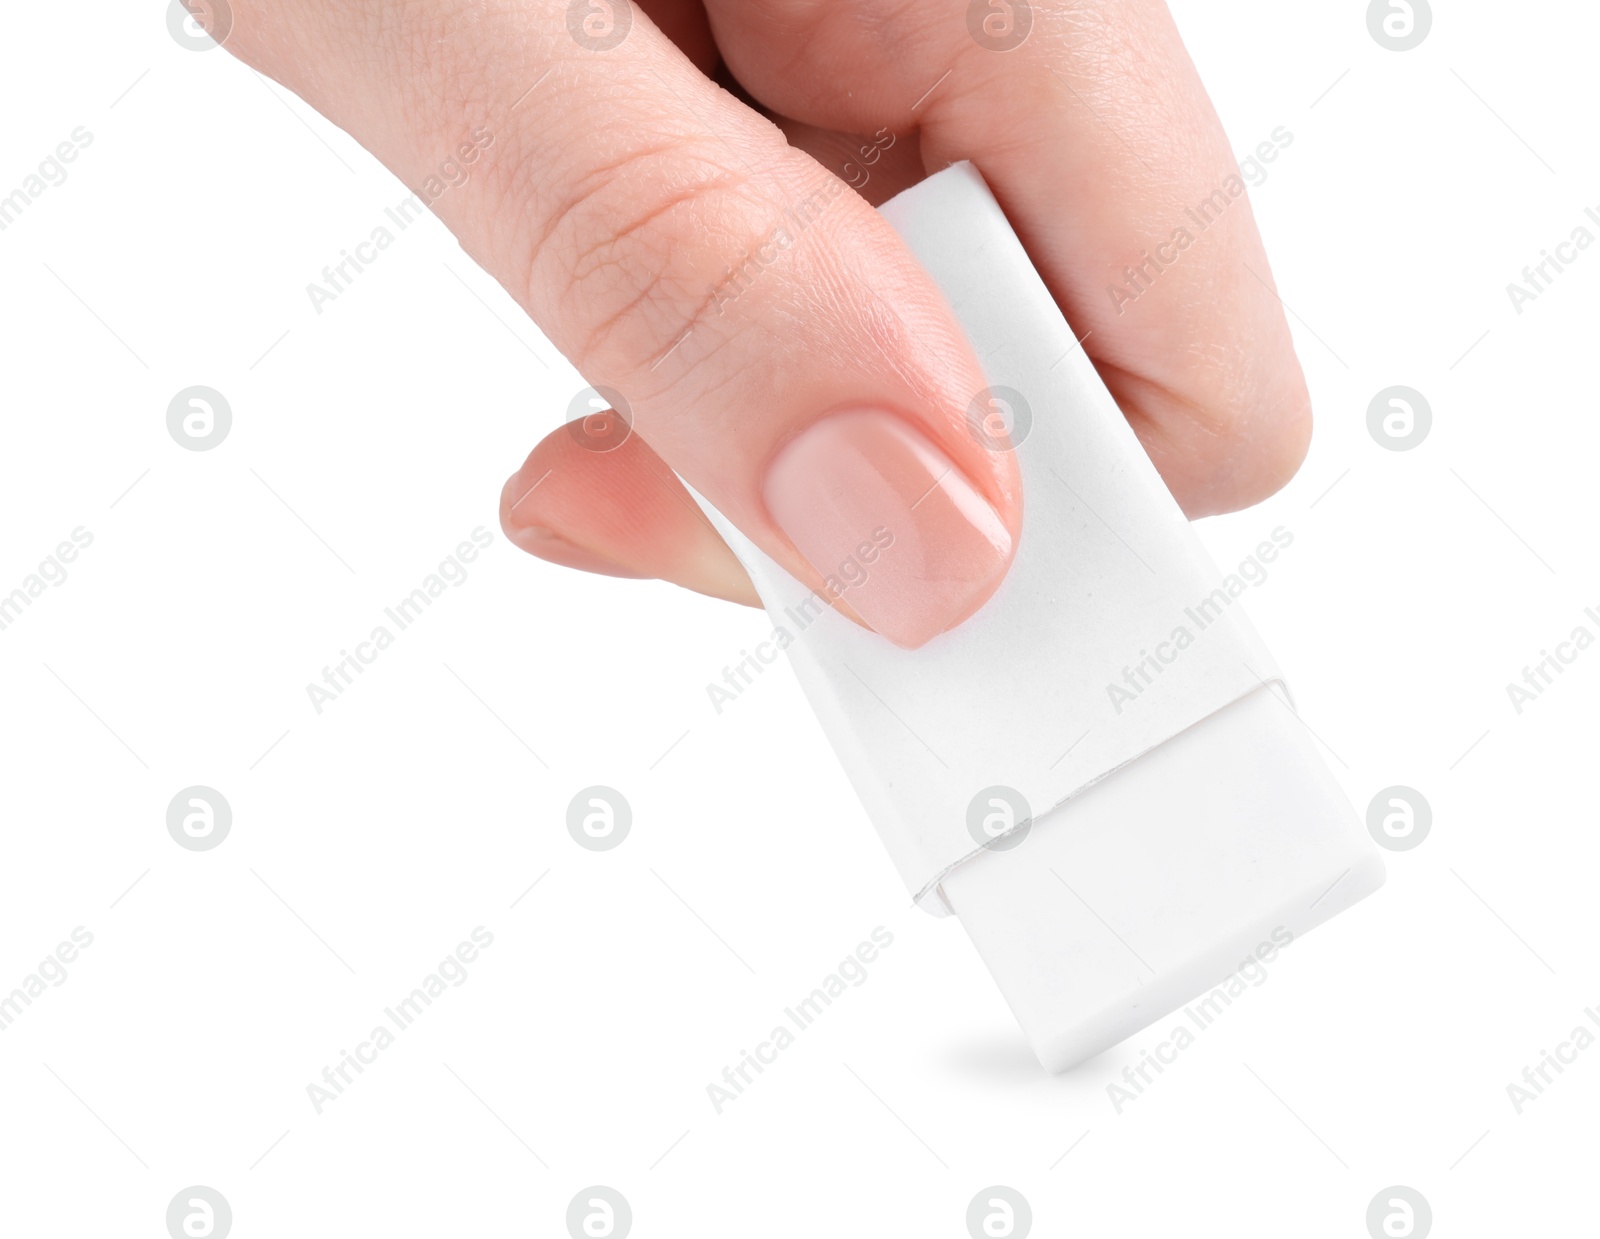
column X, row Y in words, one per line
column 1100, row 773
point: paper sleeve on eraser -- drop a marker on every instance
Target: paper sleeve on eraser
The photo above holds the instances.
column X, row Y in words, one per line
column 1112, row 632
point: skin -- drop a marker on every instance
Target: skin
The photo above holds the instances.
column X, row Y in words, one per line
column 622, row 184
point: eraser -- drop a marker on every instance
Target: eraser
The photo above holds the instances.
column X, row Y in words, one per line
column 1100, row 772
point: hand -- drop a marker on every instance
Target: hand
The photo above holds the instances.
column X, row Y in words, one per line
column 810, row 380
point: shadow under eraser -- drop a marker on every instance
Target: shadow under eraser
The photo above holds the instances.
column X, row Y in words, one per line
column 1101, row 772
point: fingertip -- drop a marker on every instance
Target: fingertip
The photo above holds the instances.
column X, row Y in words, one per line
column 620, row 513
column 548, row 545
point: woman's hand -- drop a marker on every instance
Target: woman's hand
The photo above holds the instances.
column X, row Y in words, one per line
column 724, row 271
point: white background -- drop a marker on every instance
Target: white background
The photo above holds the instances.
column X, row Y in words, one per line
column 369, row 840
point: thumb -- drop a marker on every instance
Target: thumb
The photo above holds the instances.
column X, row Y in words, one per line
column 755, row 320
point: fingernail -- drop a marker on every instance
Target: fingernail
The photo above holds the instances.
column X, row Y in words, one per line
column 892, row 525
column 551, row 546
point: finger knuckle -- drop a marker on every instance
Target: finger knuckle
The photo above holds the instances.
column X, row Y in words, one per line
column 630, row 251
